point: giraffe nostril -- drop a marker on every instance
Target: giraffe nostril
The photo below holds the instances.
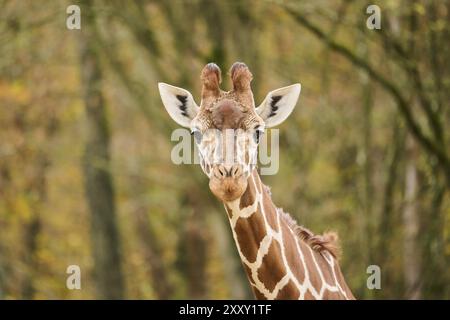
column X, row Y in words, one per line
column 222, row 171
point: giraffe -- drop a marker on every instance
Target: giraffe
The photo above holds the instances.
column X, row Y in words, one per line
column 281, row 259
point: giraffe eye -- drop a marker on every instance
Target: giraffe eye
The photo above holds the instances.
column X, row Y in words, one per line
column 197, row 135
column 257, row 134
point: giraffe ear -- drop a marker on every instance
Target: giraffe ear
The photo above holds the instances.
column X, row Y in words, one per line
column 179, row 103
column 278, row 104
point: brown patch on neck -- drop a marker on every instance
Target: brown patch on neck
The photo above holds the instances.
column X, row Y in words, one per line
column 272, row 269
column 258, row 295
column 269, row 208
column 249, row 196
column 257, row 179
column 289, row 292
column 229, row 211
column 292, row 255
column 250, row 232
column 308, row 295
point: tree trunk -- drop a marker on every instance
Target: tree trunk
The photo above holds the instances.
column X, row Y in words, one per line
column 192, row 256
column 31, row 233
column 96, row 165
column 411, row 263
column 3, row 275
column 388, row 216
column 153, row 255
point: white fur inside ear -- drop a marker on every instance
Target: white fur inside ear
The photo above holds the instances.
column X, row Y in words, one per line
column 179, row 103
column 278, row 104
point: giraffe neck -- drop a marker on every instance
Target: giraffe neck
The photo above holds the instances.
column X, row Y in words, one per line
column 279, row 264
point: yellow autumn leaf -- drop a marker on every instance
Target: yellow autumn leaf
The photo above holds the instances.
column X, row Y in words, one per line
column 15, row 91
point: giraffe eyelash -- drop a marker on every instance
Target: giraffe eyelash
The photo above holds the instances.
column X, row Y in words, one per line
column 197, row 135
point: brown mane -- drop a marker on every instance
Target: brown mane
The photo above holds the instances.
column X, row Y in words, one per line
column 328, row 241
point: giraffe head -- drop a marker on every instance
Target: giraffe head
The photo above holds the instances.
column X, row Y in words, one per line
column 226, row 126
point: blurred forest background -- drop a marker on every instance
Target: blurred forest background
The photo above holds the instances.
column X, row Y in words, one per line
column 85, row 170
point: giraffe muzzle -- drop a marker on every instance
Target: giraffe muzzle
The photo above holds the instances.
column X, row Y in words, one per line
column 228, row 182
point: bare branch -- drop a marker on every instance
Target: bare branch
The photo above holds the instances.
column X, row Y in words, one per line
column 387, row 85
